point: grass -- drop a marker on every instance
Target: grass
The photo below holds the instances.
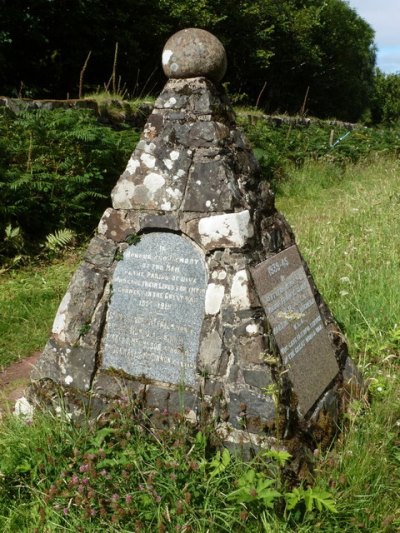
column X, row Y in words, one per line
column 122, row 477
column 107, row 96
column 346, row 220
column 119, row 108
column 346, row 223
column 29, row 298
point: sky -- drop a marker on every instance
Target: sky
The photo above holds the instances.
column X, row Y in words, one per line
column 383, row 16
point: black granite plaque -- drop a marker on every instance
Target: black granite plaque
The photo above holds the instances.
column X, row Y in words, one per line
column 300, row 334
column 157, row 309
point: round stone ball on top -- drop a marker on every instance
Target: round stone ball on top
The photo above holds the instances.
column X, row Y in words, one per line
column 193, row 52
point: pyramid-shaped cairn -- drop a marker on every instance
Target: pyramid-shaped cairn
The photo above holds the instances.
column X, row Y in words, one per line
column 193, row 295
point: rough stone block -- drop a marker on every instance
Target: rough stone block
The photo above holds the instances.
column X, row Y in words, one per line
column 157, row 397
column 210, row 353
column 71, row 367
column 169, row 222
column 153, row 127
column 325, row 418
column 118, row 224
column 246, row 404
column 171, row 99
column 154, row 179
column 114, row 386
column 91, row 339
column 78, row 305
column 258, row 378
column 252, row 350
column 182, row 402
column 230, row 230
column 212, row 388
column 353, row 382
column 222, row 196
column 205, row 133
column 100, row 252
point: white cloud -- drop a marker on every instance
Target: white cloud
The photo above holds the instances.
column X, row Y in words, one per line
column 382, row 15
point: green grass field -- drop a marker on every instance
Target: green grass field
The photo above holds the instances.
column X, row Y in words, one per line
column 29, row 298
column 347, row 222
column 347, row 226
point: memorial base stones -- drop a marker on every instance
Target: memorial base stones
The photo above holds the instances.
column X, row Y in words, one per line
column 193, row 297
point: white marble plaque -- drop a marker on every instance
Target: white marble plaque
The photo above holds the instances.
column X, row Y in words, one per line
column 157, row 309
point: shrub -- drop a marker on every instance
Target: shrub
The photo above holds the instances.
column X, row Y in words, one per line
column 56, row 170
column 279, row 146
column 385, row 101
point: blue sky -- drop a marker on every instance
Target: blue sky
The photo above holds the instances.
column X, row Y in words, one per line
column 383, row 16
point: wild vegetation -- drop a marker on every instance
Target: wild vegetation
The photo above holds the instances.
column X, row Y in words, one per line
column 56, row 172
column 337, row 186
column 342, row 200
column 57, row 168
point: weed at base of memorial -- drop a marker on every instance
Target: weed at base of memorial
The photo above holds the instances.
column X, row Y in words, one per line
column 121, row 476
column 362, row 470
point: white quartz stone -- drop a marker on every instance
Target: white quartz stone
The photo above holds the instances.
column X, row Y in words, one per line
column 170, row 102
column 176, row 194
column 252, row 329
column 240, row 290
column 102, row 227
column 23, row 408
column 219, row 274
column 59, row 321
column 166, row 206
column 230, row 231
column 166, row 56
column 214, row 296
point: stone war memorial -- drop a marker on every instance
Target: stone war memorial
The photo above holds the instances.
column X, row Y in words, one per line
column 193, row 297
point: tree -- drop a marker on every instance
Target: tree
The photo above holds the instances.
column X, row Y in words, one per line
column 385, row 101
column 48, row 41
column 319, row 47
